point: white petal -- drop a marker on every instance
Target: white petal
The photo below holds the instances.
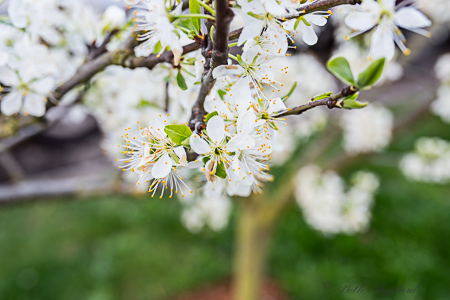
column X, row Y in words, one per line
column 246, row 122
column 309, row 36
column 382, row 43
column 216, row 129
column 216, row 105
column 34, row 105
column 199, row 145
column 240, row 93
column 409, row 17
column 181, row 153
column 240, row 142
column 11, row 103
column 361, row 21
column 3, row 58
column 162, row 167
column 316, row 20
column 43, row 86
column 17, row 14
column 251, row 29
column 227, row 70
column 8, row 77
column 388, row 4
column 156, row 128
column 276, row 105
column 249, row 55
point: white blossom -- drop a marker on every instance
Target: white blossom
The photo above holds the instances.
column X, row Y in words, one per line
column 367, row 130
column 331, row 206
column 388, row 17
column 430, row 162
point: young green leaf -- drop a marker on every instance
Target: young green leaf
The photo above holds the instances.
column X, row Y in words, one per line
column 340, row 68
column 350, row 102
column 194, row 8
column 178, row 133
column 321, row 96
column 371, row 75
column 353, row 104
column 209, row 116
column 181, row 82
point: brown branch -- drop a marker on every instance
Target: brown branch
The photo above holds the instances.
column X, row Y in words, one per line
column 219, row 56
column 321, row 5
column 330, row 102
column 95, row 51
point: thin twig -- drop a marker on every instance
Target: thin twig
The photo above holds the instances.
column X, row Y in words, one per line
column 330, row 102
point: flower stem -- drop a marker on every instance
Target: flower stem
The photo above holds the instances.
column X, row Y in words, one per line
column 187, row 16
column 207, row 7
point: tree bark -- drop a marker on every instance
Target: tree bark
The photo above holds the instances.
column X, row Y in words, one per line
column 254, row 233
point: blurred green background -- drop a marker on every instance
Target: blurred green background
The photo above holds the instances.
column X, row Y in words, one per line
column 135, row 247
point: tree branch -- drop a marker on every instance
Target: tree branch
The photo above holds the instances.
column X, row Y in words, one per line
column 330, row 102
column 219, row 56
column 321, row 5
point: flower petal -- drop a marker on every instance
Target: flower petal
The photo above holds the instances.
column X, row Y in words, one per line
column 181, row 153
column 309, row 36
column 252, row 28
column 240, row 142
column 361, row 21
column 8, row 76
column 276, row 105
column 17, row 14
column 382, row 43
column 162, row 167
column 246, row 122
column 221, row 71
column 43, row 86
column 11, row 103
column 316, row 20
column 216, row 129
column 3, row 58
column 34, row 105
column 411, row 18
column 199, row 145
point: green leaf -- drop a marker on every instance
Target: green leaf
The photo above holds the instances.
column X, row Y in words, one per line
column 220, row 171
column 194, row 8
column 209, row 116
column 350, row 102
column 178, row 133
column 340, row 68
column 321, row 96
column 371, row 75
column 181, row 82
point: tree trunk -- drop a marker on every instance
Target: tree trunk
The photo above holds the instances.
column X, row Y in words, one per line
column 252, row 243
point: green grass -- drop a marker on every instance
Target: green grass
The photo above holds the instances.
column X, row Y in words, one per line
column 112, row 247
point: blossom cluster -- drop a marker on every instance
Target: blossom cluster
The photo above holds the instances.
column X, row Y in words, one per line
column 430, row 162
column 331, row 206
column 243, row 132
column 36, row 43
